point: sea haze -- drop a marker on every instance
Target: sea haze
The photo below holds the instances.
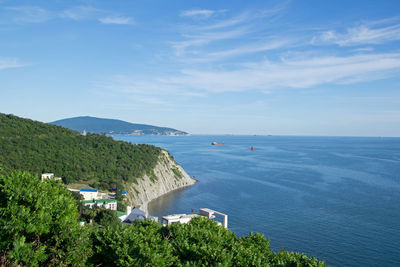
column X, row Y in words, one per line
column 336, row 198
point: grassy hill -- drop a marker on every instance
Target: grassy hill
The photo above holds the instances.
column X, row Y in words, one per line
column 111, row 126
column 94, row 159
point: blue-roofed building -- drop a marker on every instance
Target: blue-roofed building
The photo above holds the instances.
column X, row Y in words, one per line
column 123, row 192
column 88, row 193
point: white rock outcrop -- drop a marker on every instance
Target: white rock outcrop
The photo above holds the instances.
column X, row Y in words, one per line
column 169, row 176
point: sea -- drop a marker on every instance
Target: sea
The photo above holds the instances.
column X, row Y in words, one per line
column 335, row 198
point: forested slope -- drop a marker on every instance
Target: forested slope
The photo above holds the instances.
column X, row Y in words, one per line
column 94, row 159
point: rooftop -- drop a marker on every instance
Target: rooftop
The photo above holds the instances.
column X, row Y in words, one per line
column 179, row 216
column 88, row 190
column 120, row 213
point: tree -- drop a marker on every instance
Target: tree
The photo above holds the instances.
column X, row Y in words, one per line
column 107, row 218
column 39, row 223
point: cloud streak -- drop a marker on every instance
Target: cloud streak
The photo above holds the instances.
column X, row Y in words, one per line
column 203, row 13
column 27, row 14
column 266, row 76
column 35, row 14
column 117, row 20
column 79, row 13
column 7, row 63
column 361, row 35
column 200, row 42
column 247, row 59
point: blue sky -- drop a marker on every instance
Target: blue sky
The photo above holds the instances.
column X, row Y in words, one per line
column 219, row 67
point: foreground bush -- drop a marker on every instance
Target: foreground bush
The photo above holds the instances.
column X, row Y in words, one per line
column 39, row 223
column 199, row 243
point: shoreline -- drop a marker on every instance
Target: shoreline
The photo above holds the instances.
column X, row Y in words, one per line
column 145, row 205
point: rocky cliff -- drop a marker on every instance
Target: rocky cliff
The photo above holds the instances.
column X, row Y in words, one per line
column 169, row 176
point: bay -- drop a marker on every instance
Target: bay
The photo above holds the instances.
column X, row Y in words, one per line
column 336, row 198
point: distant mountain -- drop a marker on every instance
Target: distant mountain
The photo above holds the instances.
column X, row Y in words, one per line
column 111, row 126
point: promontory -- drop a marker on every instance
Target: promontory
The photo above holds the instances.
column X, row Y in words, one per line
column 98, row 161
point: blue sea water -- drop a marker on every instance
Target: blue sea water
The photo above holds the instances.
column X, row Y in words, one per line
column 336, row 198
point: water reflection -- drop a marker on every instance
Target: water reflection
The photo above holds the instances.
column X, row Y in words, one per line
column 158, row 206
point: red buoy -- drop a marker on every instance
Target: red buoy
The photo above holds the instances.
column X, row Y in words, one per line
column 252, row 148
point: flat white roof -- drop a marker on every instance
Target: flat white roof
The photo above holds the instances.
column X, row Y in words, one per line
column 179, row 216
column 208, row 210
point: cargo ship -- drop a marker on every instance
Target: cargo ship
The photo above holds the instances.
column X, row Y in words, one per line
column 217, row 144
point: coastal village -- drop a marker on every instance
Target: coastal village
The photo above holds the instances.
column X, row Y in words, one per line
column 93, row 198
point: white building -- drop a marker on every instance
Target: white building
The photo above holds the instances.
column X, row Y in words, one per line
column 88, row 194
column 134, row 215
column 110, row 204
column 185, row 218
column 49, row 176
column 175, row 218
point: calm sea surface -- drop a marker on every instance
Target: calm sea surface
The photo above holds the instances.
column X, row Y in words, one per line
column 337, row 198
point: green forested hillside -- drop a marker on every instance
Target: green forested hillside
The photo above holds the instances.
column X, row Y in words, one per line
column 94, row 159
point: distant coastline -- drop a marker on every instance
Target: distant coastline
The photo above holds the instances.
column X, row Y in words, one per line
column 95, row 125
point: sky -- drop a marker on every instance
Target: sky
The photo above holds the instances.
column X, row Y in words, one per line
column 328, row 68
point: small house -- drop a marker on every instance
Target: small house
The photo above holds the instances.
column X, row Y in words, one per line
column 49, row 176
column 88, row 194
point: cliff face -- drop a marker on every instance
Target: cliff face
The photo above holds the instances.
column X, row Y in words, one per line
column 169, row 176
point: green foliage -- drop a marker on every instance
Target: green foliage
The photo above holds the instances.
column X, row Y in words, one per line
column 252, row 250
column 120, row 198
column 201, row 242
column 94, row 159
column 177, row 173
column 294, row 259
column 39, row 223
column 139, row 244
column 122, row 205
column 106, row 218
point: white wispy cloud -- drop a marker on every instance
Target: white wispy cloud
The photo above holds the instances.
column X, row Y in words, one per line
column 229, row 22
column 35, row 14
column 265, row 76
column 204, row 38
column 361, row 35
column 26, row 14
column 8, row 63
column 248, row 49
column 230, row 35
column 81, row 13
column 364, row 49
column 294, row 73
column 233, row 52
column 203, row 13
column 116, row 20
